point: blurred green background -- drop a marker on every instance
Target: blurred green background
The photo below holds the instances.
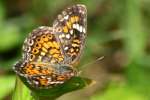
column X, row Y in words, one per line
column 117, row 29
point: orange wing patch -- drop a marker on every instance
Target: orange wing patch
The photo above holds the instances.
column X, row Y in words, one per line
column 69, row 23
column 46, row 45
column 74, row 19
column 37, row 69
column 65, row 29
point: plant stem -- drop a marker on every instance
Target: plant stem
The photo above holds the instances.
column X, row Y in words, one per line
column 21, row 92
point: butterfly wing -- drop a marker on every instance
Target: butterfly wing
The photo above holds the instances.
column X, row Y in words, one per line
column 49, row 52
column 41, row 60
column 70, row 29
column 42, row 46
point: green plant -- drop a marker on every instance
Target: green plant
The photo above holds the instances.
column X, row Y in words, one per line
column 23, row 93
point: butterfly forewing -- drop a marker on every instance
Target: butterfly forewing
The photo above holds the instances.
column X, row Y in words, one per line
column 42, row 46
column 70, row 28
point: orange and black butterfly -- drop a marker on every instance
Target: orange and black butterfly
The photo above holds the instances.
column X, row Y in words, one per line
column 50, row 53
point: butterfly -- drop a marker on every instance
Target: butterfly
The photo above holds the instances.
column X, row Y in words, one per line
column 51, row 53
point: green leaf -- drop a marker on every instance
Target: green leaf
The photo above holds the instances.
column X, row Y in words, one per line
column 73, row 84
column 21, row 92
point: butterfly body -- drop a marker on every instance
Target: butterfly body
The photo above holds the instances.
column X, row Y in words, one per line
column 50, row 53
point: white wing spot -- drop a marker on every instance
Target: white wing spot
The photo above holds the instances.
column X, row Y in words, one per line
column 71, row 32
column 84, row 30
column 64, row 13
column 43, row 77
column 36, row 82
column 41, row 27
column 80, row 11
column 62, row 35
column 80, row 28
column 77, row 27
column 66, row 48
column 68, row 36
column 59, row 82
column 39, row 58
column 74, row 26
column 43, row 53
column 66, row 17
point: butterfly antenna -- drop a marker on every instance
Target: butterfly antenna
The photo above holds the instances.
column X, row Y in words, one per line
column 93, row 62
